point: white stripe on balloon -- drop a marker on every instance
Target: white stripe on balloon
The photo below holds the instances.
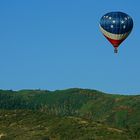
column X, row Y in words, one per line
column 114, row 36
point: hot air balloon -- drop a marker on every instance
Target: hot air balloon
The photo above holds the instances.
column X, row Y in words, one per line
column 116, row 26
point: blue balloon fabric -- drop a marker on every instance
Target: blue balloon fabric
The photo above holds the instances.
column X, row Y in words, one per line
column 116, row 22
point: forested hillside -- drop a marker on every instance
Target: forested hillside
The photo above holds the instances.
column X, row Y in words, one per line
column 103, row 116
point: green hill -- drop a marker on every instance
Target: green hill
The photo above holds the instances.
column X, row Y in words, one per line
column 75, row 114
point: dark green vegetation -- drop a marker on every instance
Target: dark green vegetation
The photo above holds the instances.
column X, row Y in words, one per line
column 77, row 114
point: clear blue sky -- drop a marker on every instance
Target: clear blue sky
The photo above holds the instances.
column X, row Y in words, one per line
column 56, row 44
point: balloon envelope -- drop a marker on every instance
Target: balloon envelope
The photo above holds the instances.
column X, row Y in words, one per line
column 116, row 26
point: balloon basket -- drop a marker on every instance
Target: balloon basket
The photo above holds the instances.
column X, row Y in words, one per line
column 115, row 51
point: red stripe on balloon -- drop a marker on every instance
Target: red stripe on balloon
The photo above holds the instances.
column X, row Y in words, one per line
column 115, row 43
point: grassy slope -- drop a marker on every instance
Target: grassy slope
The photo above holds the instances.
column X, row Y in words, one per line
column 121, row 112
column 29, row 125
